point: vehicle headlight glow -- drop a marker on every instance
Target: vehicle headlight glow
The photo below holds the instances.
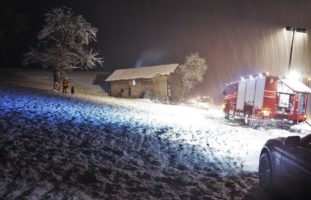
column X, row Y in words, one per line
column 265, row 112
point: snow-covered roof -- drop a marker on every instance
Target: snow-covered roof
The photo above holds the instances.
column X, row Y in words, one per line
column 296, row 85
column 142, row 72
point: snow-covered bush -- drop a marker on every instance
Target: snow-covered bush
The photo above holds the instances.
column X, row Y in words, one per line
column 148, row 94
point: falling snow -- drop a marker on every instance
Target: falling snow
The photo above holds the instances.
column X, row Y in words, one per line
column 56, row 146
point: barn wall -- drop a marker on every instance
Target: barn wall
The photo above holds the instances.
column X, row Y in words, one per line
column 142, row 86
column 155, row 86
column 146, row 85
column 118, row 86
column 174, row 87
column 163, row 87
column 160, row 87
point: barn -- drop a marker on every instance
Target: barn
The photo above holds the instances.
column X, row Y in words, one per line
column 160, row 82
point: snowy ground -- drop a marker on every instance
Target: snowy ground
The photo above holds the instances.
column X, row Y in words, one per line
column 55, row 146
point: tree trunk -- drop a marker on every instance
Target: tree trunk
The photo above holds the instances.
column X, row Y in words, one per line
column 56, row 79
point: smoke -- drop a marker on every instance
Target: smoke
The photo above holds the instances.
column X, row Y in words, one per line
column 151, row 57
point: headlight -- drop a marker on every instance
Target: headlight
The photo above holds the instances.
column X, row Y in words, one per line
column 265, row 112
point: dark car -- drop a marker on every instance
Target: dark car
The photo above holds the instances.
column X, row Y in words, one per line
column 285, row 165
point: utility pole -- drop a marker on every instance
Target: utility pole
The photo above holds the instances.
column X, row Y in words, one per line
column 291, row 50
column 294, row 30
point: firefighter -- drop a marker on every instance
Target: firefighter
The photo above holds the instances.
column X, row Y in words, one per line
column 65, row 85
column 72, row 90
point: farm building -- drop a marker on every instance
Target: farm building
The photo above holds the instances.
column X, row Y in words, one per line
column 160, row 82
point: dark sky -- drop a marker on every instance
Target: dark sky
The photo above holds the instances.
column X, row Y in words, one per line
column 237, row 37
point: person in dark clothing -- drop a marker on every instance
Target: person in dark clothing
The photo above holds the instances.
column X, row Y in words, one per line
column 65, row 85
column 72, row 90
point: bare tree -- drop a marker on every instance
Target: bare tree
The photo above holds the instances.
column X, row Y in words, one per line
column 63, row 43
column 192, row 72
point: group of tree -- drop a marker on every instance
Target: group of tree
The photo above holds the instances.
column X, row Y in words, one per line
column 63, row 45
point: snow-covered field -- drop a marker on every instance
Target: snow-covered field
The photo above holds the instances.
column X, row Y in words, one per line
column 55, row 146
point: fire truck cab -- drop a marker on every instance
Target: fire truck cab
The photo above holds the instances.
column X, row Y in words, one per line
column 262, row 96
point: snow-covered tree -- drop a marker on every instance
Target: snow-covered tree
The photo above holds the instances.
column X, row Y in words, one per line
column 192, row 72
column 63, row 43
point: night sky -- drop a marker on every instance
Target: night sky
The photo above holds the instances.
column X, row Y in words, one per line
column 237, row 37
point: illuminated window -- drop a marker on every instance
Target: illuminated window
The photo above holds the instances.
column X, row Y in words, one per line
column 134, row 82
column 284, row 100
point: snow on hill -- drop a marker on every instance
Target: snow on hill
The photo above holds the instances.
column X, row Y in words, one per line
column 91, row 82
column 56, row 146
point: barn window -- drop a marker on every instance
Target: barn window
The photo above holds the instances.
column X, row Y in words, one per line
column 134, row 82
column 284, row 100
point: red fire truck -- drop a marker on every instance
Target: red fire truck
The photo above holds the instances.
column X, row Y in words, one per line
column 263, row 96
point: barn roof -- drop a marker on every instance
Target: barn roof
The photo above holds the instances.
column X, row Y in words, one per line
column 142, row 72
column 296, row 86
